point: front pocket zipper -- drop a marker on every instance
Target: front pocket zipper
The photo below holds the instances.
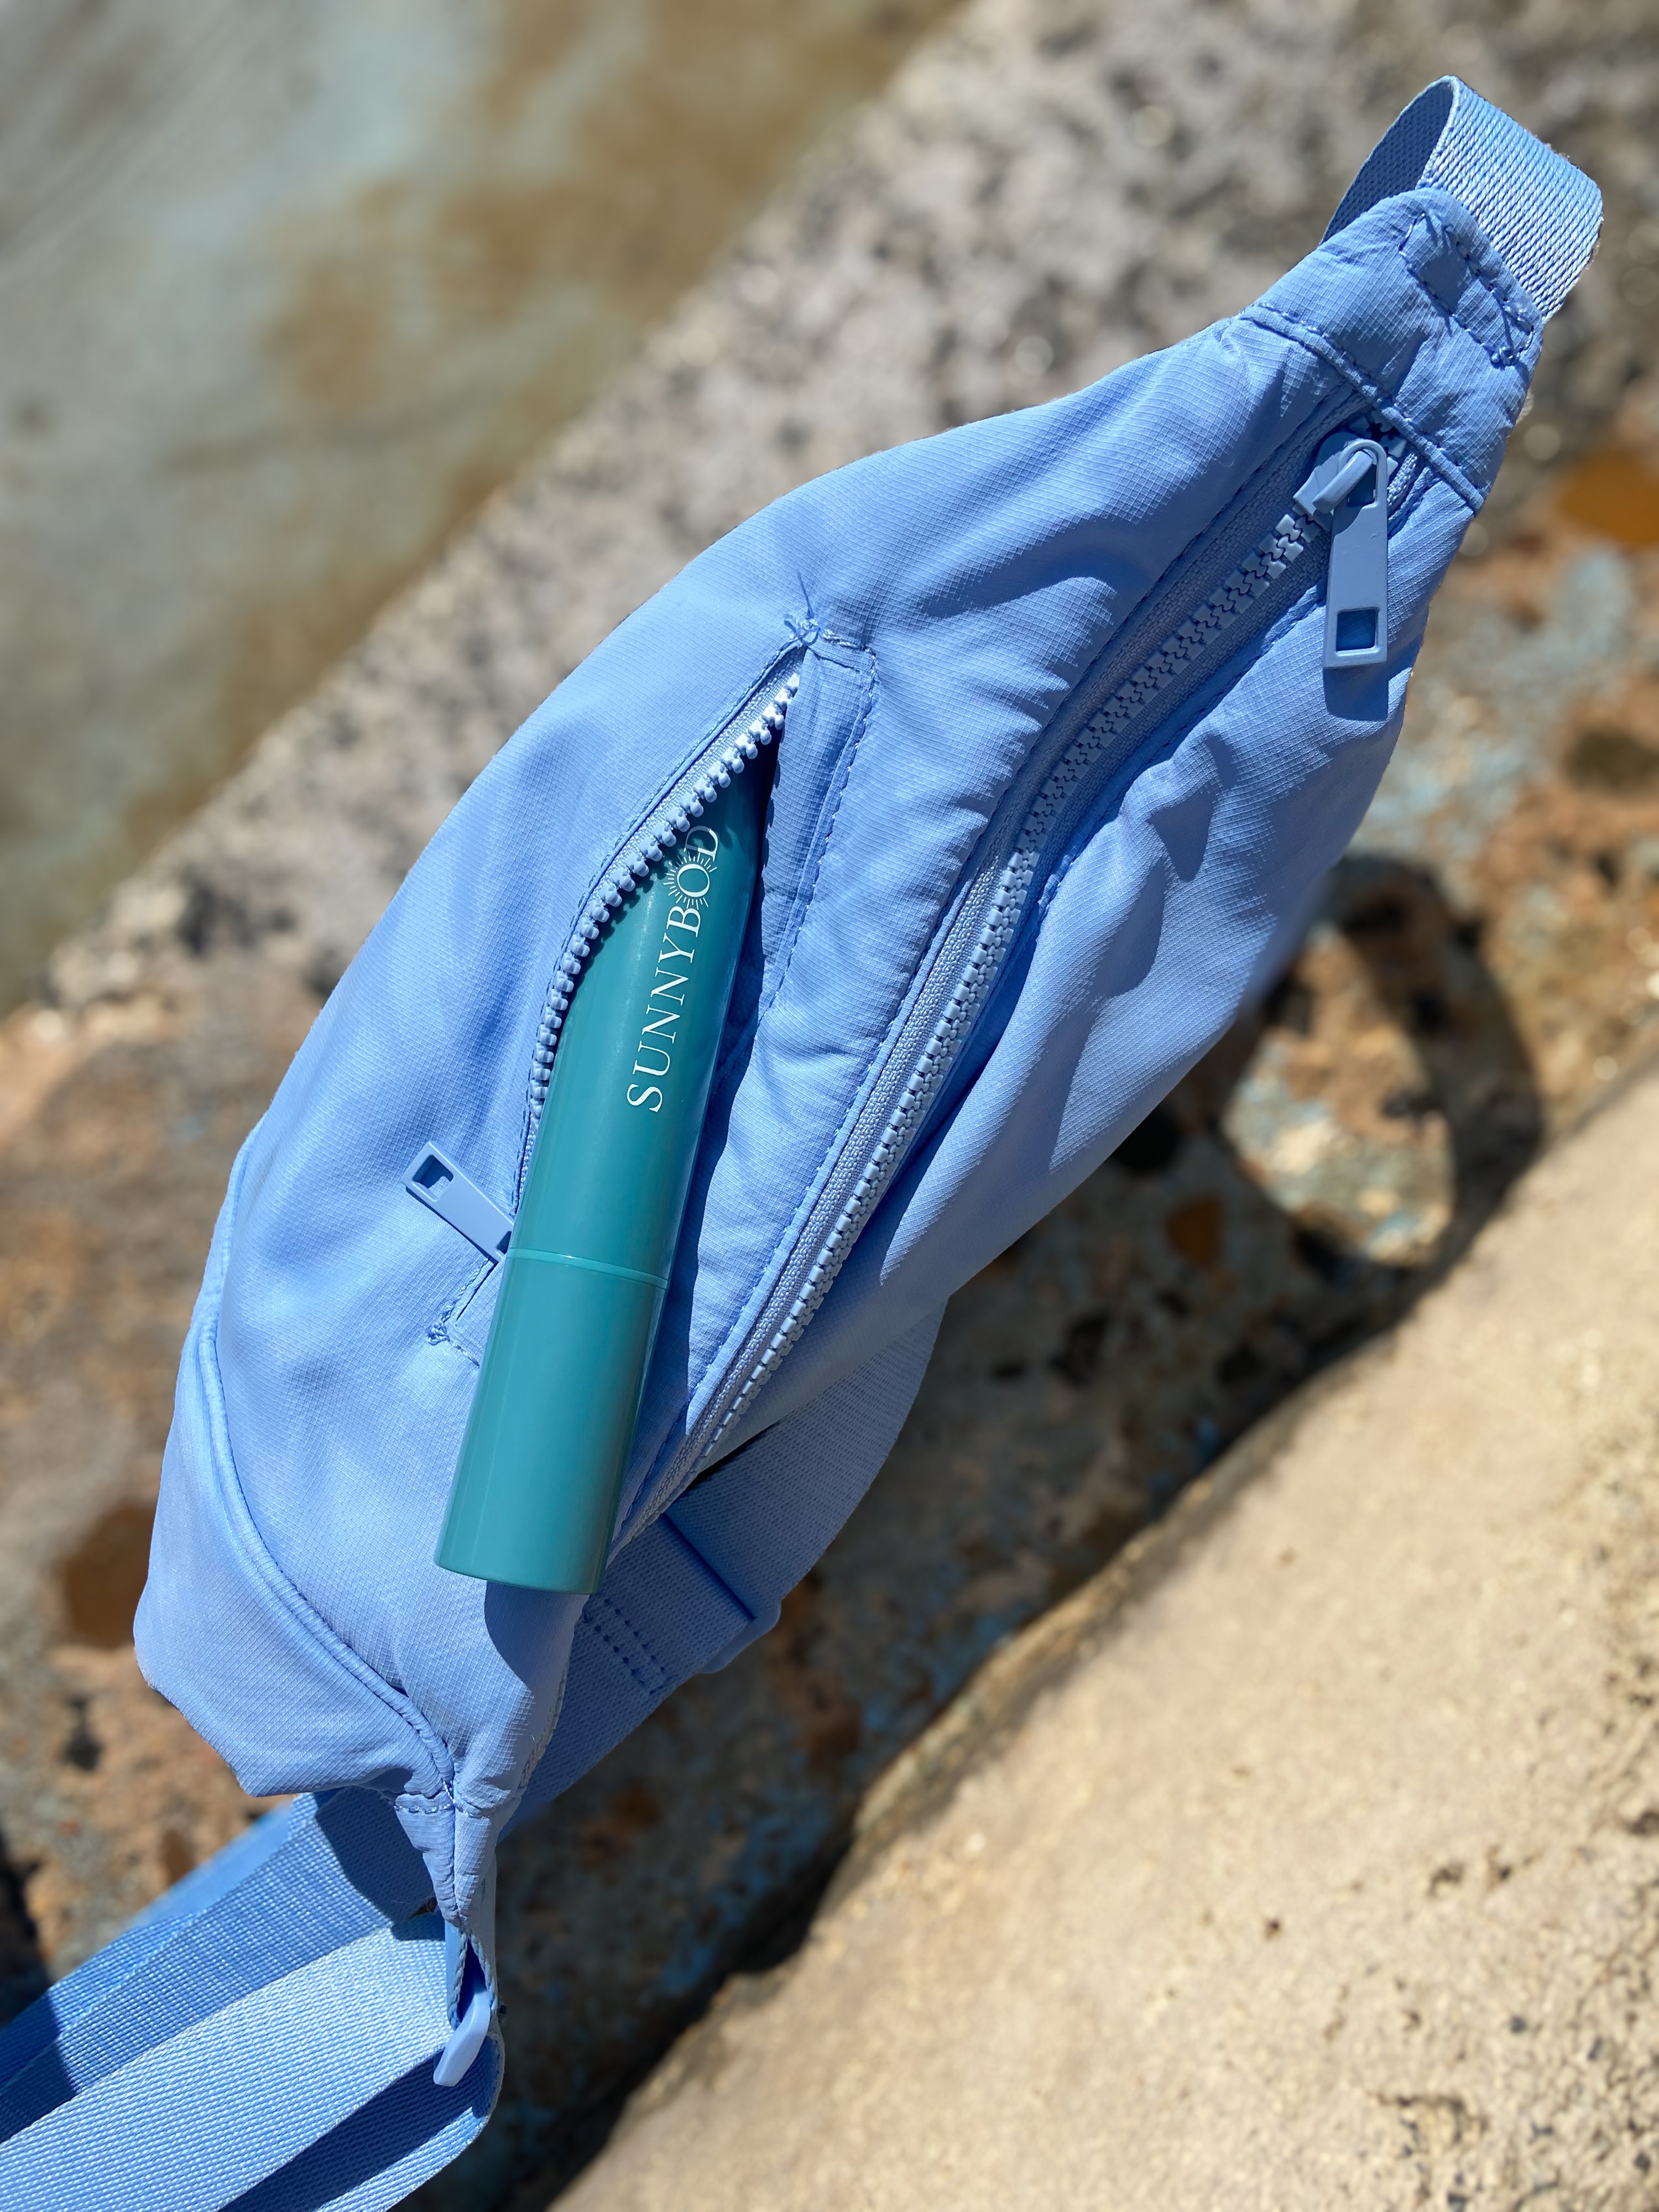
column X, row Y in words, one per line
column 696, row 789
column 1342, row 496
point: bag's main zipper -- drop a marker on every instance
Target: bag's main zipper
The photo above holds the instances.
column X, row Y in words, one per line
column 980, row 934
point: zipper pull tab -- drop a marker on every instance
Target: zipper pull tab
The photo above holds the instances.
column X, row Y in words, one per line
column 434, row 1178
column 1348, row 492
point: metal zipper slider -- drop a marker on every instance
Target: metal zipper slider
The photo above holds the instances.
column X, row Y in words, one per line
column 1348, row 492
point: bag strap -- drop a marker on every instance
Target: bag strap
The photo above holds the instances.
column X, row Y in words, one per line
column 690, row 1591
column 1542, row 214
column 265, row 2036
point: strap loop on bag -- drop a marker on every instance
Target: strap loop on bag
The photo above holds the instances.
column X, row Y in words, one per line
column 1542, row 214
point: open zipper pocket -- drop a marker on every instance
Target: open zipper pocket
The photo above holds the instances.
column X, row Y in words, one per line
column 1106, row 723
column 981, row 931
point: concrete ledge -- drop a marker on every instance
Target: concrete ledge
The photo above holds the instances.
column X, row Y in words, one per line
column 1311, row 1864
column 989, row 1714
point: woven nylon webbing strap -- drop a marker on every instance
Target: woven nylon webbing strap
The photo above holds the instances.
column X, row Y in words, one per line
column 1540, row 213
column 263, row 2037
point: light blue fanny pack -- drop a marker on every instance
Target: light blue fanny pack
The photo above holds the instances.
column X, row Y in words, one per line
column 1073, row 708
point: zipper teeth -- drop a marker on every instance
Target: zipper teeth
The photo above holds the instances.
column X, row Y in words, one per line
column 634, row 865
column 1266, row 561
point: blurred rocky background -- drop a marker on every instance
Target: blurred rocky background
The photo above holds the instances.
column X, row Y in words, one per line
column 1044, row 189
column 287, row 291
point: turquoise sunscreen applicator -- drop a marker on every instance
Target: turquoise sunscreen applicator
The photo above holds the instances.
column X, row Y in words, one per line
column 536, row 1490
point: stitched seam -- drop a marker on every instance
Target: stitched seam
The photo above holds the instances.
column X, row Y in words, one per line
column 1289, row 326
column 439, row 1331
column 420, row 1801
column 1478, row 277
column 455, row 1807
column 1483, row 262
column 629, row 1626
column 625, row 1627
column 244, row 1531
column 739, row 1046
column 667, row 1676
column 807, row 891
column 664, row 1674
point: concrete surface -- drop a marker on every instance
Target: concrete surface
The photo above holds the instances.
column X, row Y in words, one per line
column 287, row 290
column 1048, row 186
column 1310, row 1856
